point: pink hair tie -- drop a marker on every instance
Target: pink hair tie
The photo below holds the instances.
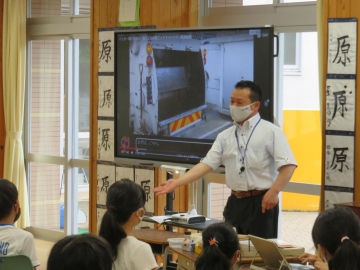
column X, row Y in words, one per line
column 344, row 238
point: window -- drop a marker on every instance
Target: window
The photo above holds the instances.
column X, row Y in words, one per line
column 229, row 3
column 292, row 49
column 58, row 116
column 219, row 194
column 52, row 8
column 295, row 1
column 257, row 2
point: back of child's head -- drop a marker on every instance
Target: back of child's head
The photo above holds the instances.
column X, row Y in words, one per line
column 123, row 198
column 220, row 243
column 338, row 231
column 8, row 197
column 80, row 252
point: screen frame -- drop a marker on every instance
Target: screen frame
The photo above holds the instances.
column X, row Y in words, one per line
column 137, row 161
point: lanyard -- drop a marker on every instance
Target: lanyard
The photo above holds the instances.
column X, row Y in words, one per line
column 248, row 140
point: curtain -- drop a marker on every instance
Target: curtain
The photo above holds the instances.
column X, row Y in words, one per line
column 14, row 64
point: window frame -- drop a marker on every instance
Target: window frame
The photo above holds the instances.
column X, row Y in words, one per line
column 71, row 29
column 296, row 68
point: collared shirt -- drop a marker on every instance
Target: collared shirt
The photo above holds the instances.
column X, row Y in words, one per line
column 267, row 151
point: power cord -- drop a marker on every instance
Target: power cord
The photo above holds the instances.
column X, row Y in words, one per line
column 164, row 222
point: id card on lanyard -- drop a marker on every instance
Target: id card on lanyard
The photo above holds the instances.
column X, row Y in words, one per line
column 241, row 182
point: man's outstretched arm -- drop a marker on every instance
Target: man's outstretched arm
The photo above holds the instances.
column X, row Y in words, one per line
column 198, row 171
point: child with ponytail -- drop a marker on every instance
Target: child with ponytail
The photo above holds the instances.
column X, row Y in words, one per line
column 336, row 234
column 221, row 248
column 125, row 209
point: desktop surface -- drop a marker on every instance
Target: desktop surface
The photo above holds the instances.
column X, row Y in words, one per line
column 152, row 236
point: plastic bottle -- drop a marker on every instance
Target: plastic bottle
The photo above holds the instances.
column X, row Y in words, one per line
column 191, row 246
column 186, row 241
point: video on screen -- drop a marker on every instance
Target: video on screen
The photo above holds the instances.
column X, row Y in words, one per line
column 173, row 88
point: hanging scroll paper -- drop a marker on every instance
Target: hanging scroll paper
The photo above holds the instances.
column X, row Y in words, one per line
column 106, row 96
column 334, row 196
column 105, row 140
column 340, row 111
column 340, row 102
column 105, row 178
column 106, row 50
column 145, row 178
column 339, row 159
column 342, row 44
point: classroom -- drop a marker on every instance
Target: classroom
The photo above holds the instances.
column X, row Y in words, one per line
column 106, row 90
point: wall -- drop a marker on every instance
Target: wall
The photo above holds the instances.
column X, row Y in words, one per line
column 342, row 9
column 104, row 13
column 169, row 13
column 301, row 123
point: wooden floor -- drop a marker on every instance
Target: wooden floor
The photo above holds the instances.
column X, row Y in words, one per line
column 43, row 250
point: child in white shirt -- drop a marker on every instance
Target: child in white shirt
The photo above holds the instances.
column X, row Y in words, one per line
column 125, row 209
column 13, row 241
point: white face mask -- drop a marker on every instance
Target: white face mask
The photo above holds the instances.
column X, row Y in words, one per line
column 239, row 114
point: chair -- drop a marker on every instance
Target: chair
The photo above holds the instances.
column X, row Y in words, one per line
column 15, row 262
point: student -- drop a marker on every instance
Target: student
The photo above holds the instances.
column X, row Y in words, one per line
column 336, row 234
column 13, row 241
column 125, row 209
column 80, row 252
column 221, row 248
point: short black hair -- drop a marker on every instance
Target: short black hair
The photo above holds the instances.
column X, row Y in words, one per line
column 80, row 252
column 255, row 90
column 8, row 197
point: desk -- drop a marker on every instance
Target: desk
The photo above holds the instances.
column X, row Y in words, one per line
column 197, row 226
column 157, row 240
column 186, row 260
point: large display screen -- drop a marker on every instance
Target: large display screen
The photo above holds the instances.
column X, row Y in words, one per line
column 173, row 88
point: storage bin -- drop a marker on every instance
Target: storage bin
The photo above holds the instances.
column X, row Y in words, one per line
column 175, row 242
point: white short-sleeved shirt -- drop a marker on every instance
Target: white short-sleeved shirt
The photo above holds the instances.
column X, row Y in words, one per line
column 15, row 241
column 133, row 254
column 267, row 151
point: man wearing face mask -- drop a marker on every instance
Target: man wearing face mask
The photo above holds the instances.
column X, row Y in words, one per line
column 258, row 164
column 13, row 241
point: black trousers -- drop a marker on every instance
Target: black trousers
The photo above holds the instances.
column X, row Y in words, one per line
column 245, row 215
